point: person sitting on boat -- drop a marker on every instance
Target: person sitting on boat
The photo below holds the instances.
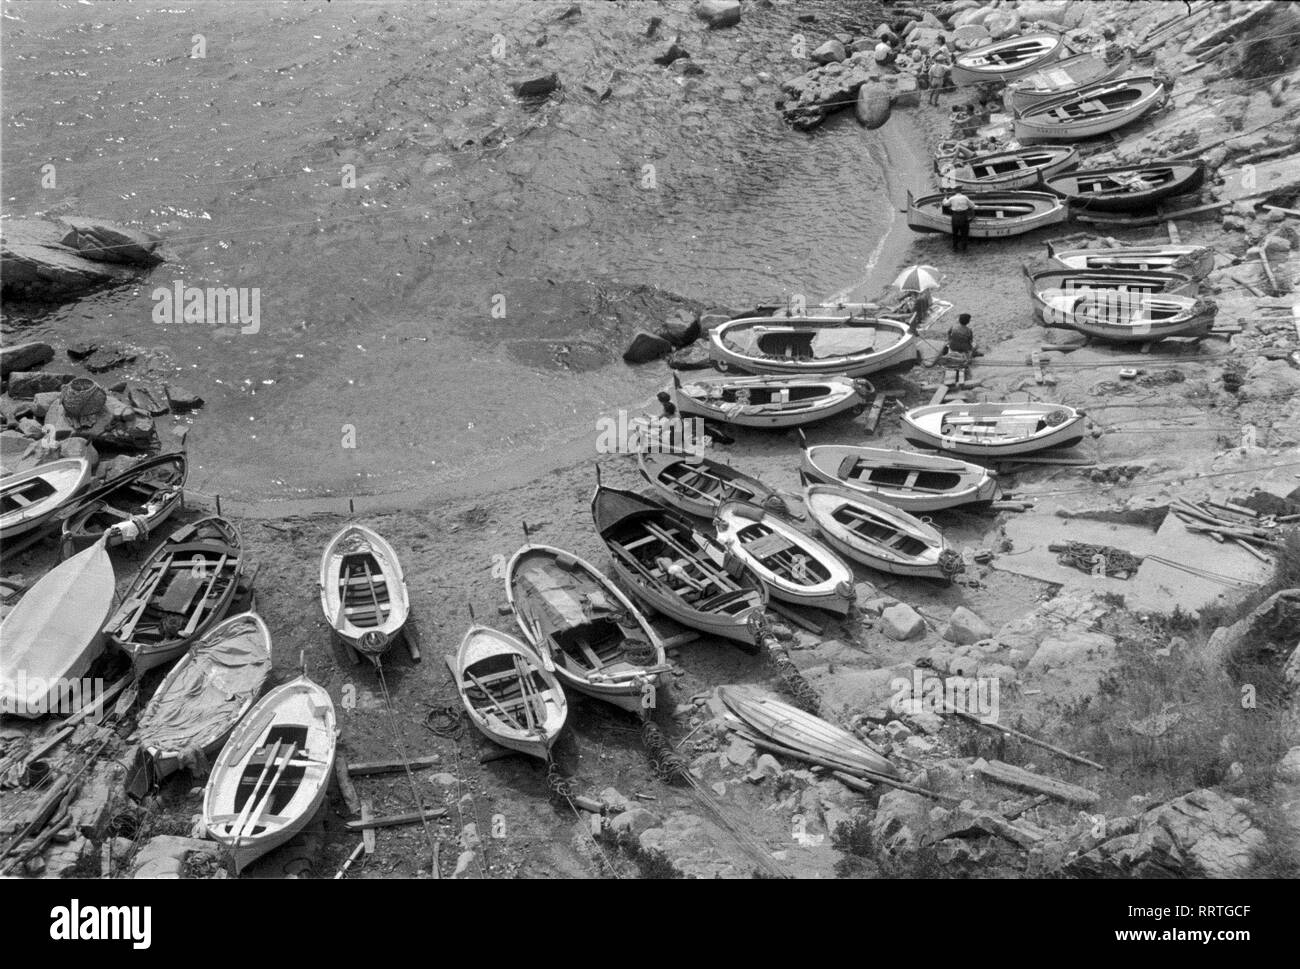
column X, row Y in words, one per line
column 961, row 339
column 961, row 209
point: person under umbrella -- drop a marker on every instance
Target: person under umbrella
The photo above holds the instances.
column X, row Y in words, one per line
column 917, row 285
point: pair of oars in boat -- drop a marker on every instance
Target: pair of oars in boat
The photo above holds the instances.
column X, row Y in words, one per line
column 526, row 689
column 248, row 821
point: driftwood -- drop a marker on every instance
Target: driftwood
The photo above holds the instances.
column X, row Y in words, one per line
column 346, row 790
column 1023, row 780
column 395, row 820
column 391, row 766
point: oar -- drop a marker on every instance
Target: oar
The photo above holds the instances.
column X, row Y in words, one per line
column 252, row 797
column 527, row 691
column 493, row 700
column 266, row 798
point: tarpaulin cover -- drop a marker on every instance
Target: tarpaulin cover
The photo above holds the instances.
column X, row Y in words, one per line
column 215, row 681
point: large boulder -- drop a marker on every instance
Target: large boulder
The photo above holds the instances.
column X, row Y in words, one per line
column 34, row 263
column 111, row 242
column 974, row 15
column 646, row 347
column 831, row 52
column 970, row 35
column 1047, row 11
column 901, row 622
column 31, row 383
column 807, row 100
column 1002, row 23
column 874, row 105
column 24, row 356
column 965, row 628
column 718, row 13
column 536, row 87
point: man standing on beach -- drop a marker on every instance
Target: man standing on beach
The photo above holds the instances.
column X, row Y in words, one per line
column 961, row 208
column 938, row 71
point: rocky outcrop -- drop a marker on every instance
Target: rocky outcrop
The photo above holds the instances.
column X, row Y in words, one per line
column 1199, row 835
column 43, row 260
column 807, row 100
column 718, row 13
column 24, row 356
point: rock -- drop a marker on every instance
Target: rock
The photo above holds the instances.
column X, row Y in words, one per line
column 969, row 35
column 1068, row 647
column 82, row 348
column 1288, row 768
column 34, row 263
column 690, row 847
column 740, row 751
column 107, row 358
column 443, row 779
column 831, row 52
column 165, row 855
column 24, row 356
column 634, row 822
column 31, row 428
column 616, row 802
column 681, row 330
column 971, row 15
column 674, row 52
column 964, row 627
column 900, row 818
column 897, row 731
column 901, row 622
column 874, row 105
column 1002, row 23
column 646, row 347
column 695, row 357
column 463, row 862
column 111, row 242
column 718, row 13
column 768, row 765
column 807, row 100
column 536, row 87
column 907, row 92
column 182, row 401
column 926, row 721
column 33, row 382
column 1199, row 835
column 1045, row 11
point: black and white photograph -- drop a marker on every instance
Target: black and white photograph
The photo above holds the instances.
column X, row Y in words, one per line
column 527, row 440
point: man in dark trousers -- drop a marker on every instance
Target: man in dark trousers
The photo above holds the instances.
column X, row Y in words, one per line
column 961, row 209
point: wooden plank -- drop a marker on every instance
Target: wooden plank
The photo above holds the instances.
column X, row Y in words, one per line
column 390, row 766
column 368, row 834
column 346, row 790
column 1174, row 237
column 368, row 822
column 795, row 618
column 1023, row 780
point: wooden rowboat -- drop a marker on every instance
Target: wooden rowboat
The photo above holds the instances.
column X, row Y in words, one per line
column 1063, row 77
column 1194, row 261
column 790, row 727
column 52, row 635
column 996, row 215
column 794, row 566
column 272, row 775
column 698, row 486
column 879, row 535
column 129, row 506
column 511, row 697
column 670, row 564
column 994, row 430
column 363, row 590
column 183, row 589
column 1129, row 188
column 1092, row 110
column 907, row 480
column 1006, row 60
column 29, row 498
column 1054, row 290
column 1135, row 317
column 585, row 628
column 200, row 700
column 850, row 345
column 769, row 401
column 1018, row 168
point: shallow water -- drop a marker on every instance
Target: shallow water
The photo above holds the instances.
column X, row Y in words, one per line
column 379, row 364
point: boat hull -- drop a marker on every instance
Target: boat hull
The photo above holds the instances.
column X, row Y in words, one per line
column 997, row 215
column 102, row 510
column 671, row 475
column 738, row 344
column 1053, row 290
column 1194, row 261
column 1052, row 119
column 824, row 398
column 1155, row 317
column 622, row 684
column 1102, row 189
column 975, row 485
column 833, row 592
column 927, row 561
column 303, row 710
column 619, row 515
column 1007, row 171
column 483, row 646
column 30, row 498
column 998, row 430
column 1061, row 78
column 1006, row 60
column 372, row 636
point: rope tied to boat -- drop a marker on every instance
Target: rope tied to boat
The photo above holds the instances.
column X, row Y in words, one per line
column 805, row 697
column 558, row 784
column 668, row 764
column 448, row 722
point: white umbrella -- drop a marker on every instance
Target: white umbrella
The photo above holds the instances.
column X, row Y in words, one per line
column 917, row 278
